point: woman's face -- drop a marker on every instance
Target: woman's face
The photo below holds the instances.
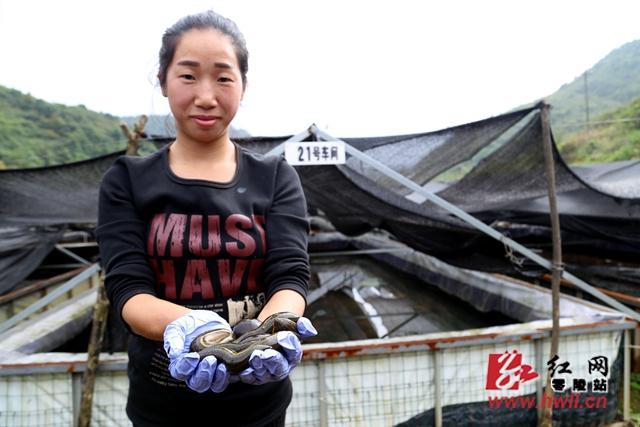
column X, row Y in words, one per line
column 204, row 85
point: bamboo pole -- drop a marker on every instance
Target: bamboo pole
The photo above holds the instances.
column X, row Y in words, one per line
column 101, row 308
column 556, row 271
column 619, row 296
column 99, row 323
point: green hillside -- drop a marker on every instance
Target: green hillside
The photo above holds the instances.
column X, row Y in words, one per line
column 613, row 82
column 36, row 133
column 615, row 137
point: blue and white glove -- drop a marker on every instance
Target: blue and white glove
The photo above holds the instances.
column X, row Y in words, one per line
column 271, row 365
column 185, row 365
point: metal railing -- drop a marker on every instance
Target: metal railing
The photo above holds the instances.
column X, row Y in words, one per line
column 50, row 297
column 371, row 383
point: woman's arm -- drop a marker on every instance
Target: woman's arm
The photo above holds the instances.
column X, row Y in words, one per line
column 129, row 281
column 286, row 271
column 148, row 316
column 284, row 300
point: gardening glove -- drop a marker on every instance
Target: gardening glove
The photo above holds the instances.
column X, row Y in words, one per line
column 271, row 365
column 185, row 365
column 209, row 375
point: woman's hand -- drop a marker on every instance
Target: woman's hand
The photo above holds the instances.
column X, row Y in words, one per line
column 271, row 365
column 185, row 365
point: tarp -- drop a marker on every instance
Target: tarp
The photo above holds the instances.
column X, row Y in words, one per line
column 492, row 168
column 37, row 205
column 22, row 249
column 55, row 195
column 501, row 180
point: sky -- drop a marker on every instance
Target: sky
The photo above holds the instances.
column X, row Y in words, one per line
column 354, row 68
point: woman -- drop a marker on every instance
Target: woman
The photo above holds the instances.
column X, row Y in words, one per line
column 199, row 236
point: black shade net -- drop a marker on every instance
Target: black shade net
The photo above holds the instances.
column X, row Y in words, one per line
column 22, row 249
column 66, row 194
column 492, row 168
column 37, row 205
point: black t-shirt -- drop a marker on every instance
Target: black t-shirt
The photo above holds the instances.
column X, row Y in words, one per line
column 225, row 247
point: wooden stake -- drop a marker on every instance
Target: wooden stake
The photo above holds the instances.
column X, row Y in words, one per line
column 101, row 308
column 133, row 138
column 556, row 273
column 99, row 323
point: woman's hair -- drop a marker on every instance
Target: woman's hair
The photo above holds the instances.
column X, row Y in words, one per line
column 200, row 21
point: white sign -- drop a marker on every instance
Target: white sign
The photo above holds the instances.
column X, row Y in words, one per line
column 315, row 153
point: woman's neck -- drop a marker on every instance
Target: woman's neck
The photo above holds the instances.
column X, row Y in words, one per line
column 212, row 161
column 196, row 152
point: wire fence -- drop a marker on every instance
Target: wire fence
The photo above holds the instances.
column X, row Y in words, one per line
column 38, row 400
column 373, row 390
column 399, row 381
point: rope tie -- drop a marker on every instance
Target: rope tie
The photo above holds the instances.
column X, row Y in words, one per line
column 511, row 256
